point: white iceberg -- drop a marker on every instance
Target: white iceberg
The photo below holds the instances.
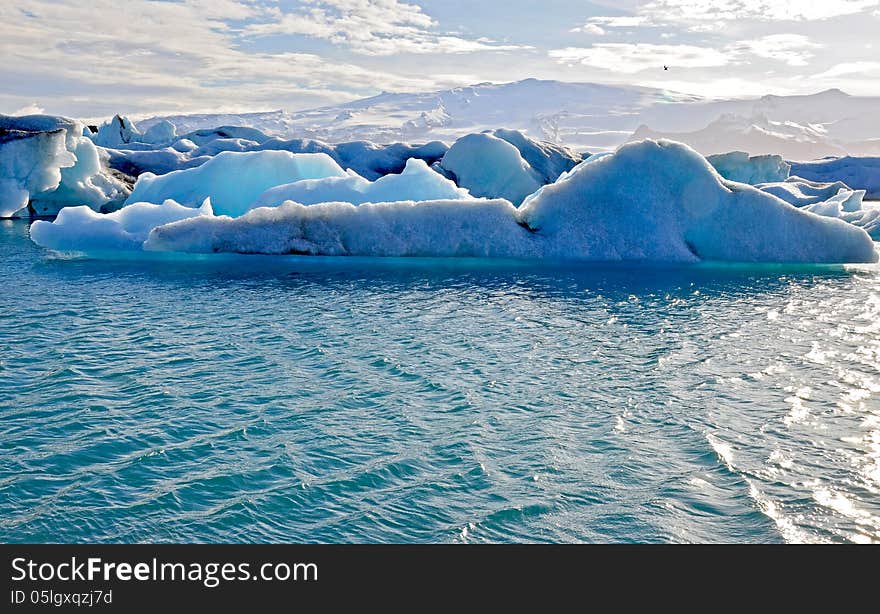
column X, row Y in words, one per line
column 662, row 201
column 649, row 201
column 30, row 162
column 117, row 132
column 490, row 167
column 801, row 192
column 81, row 229
column 233, row 180
column 417, row 182
column 451, row 228
column 828, row 199
column 46, row 173
column 549, row 160
column 858, row 173
column 161, row 133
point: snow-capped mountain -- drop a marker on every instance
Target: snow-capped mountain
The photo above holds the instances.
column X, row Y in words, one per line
column 584, row 116
column 581, row 115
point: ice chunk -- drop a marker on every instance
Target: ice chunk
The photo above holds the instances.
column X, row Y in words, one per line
column 857, row 173
column 161, row 133
column 739, row 166
column 800, row 192
column 81, row 229
column 117, row 132
column 83, row 178
column 233, row 180
column 549, row 160
column 417, row 182
column 663, row 201
column 30, row 163
column 490, row 167
column 454, row 228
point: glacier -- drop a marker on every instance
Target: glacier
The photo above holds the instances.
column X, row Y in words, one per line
column 648, row 201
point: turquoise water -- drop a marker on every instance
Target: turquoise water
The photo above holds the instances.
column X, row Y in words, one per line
column 254, row 399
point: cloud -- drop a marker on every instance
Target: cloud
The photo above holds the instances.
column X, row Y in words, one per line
column 635, row 57
column 758, row 10
column 370, row 27
column 625, row 21
column 792, row 49
column 169, row 56
column 590, row 28
column 850, row 68
column 31, row 109
column 714, row 15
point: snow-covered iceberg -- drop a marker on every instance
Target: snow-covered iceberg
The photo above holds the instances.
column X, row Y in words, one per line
column 549, row 160
column 448, row 228
column 739, row 166
column 30, row 163
column 490, row 167
column 417, row 182
column 801, row 192
column 858, row 173
column 81, row 229
column 47, row 163
column 828, row 199
column 663, row 201
column 117, row 132
column 233, row 180
column 649, row 201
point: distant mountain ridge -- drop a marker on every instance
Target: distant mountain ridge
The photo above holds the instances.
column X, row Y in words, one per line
column 584, row 116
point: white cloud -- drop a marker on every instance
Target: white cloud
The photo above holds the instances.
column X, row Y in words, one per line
column 597, row 25
column 590, row 28
column 31, row 109
column 635, row 57
column 759, row 10
column 371, row 27
column 714, row 15
column 168, row 56
column 792, row 49
column 850, row 68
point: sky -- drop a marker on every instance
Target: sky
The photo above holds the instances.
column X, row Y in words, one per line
column 94, row 58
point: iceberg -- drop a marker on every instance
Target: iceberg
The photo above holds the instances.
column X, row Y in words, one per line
column 800, row 192
column 417, row 182
column 449, row 228
column 30, row 163
column 117, row 132
column 829, row 200
column 161, row 133
column 549, row 160
column 662, row 201
column 739, row 166
column 860, row 173
column 673, row 208
column 82, row 229
column 233, row 180
column 48, row 172
column 490, row 167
